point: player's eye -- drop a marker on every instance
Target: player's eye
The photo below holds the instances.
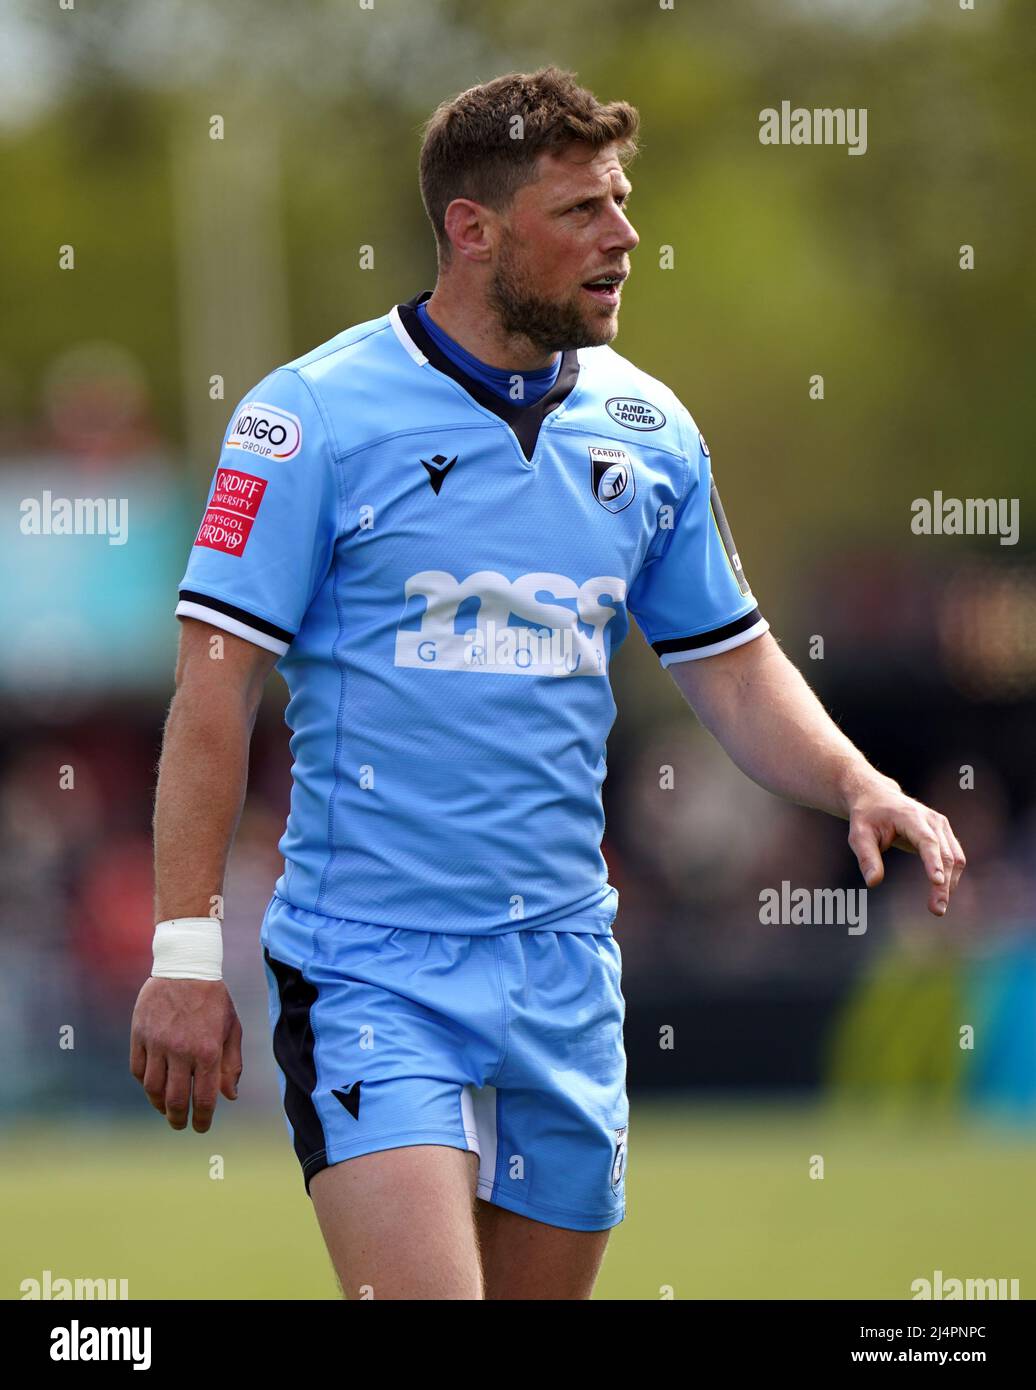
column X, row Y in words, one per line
column 621, row 199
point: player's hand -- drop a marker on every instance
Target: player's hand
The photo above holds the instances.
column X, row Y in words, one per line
column 186, row 1037
column 883, row 817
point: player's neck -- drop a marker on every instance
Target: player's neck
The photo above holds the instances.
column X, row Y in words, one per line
column 472, row 324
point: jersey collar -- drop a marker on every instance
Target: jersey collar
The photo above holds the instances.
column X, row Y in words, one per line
column 524, row 420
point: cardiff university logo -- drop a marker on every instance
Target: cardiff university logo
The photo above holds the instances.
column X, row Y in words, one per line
column 549, row 639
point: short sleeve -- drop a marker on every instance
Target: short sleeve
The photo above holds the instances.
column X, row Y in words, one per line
column 267, row 538
column 691, row 598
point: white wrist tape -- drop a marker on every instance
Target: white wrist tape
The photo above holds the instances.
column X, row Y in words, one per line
column 189, row 948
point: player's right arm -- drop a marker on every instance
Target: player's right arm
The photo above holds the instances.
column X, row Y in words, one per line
column 264, row 547
column 185, row 1041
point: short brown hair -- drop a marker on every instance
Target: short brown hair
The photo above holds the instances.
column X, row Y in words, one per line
column 470, row 151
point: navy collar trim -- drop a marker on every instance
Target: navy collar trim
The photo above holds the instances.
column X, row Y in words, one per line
column 525, row 420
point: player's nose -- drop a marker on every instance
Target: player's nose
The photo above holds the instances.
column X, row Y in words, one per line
column 623, row 235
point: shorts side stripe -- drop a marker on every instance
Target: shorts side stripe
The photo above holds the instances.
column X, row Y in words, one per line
column 294, row 1049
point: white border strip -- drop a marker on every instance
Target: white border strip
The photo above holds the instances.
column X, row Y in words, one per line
column 186, row 609
column 478, row 1106
column 467, row 1119
column 405, row 338
column 739, row 638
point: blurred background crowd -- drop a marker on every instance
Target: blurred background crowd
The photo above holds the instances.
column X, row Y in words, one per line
column 201, row 263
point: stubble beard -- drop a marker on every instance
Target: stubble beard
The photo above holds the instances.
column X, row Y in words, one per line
column 549, row 325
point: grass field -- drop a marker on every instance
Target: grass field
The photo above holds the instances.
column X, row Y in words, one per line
column 721, row 1205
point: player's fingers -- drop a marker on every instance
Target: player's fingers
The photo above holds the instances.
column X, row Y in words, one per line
column 137, row 1058
column 178, row 1091
column 930, row 848
column 864, row 843
column 959, row 861
column 155, row 1078
column 205, row 1091
column 940, row 895
column 948, row 856
column 231, row 1066
column 953, row 852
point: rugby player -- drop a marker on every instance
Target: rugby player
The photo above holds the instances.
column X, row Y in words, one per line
column 437, row 525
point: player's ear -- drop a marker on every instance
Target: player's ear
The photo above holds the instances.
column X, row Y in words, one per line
column 470, row 229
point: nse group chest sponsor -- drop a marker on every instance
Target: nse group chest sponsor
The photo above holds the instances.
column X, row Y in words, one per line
column 551, row 638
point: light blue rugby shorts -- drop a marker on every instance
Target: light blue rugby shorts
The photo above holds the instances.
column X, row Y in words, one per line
column 509, row 1045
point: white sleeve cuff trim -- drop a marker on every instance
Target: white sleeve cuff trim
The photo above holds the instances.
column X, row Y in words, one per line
column 728, row 643
column 186, row 609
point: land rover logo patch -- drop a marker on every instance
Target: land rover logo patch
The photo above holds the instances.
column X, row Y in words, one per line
column 634, row 414
column 612, row 478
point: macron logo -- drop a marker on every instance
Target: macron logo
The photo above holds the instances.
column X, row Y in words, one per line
column 350, row 1098
column 437, row 470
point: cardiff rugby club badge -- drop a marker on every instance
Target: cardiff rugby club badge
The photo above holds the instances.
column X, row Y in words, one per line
column 611, row 477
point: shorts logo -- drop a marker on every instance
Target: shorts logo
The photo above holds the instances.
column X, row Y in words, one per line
column 266, row 430
column 232, row 508
column 619, row 1162
column 611, row 477
column 349, row 1096
column 634, row 414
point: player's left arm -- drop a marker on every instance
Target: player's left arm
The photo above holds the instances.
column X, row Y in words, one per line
column 694, row 604
column 758, row 706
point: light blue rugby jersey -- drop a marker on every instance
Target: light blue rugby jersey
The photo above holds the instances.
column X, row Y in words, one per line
column 445, row 576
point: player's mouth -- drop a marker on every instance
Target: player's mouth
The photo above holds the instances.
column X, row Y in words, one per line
column 606, row 289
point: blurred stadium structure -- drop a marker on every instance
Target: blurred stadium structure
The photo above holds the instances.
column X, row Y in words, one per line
column 199, row 259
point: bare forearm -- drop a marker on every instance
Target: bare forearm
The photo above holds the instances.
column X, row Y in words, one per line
column 201, row 789
column 761, row 710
